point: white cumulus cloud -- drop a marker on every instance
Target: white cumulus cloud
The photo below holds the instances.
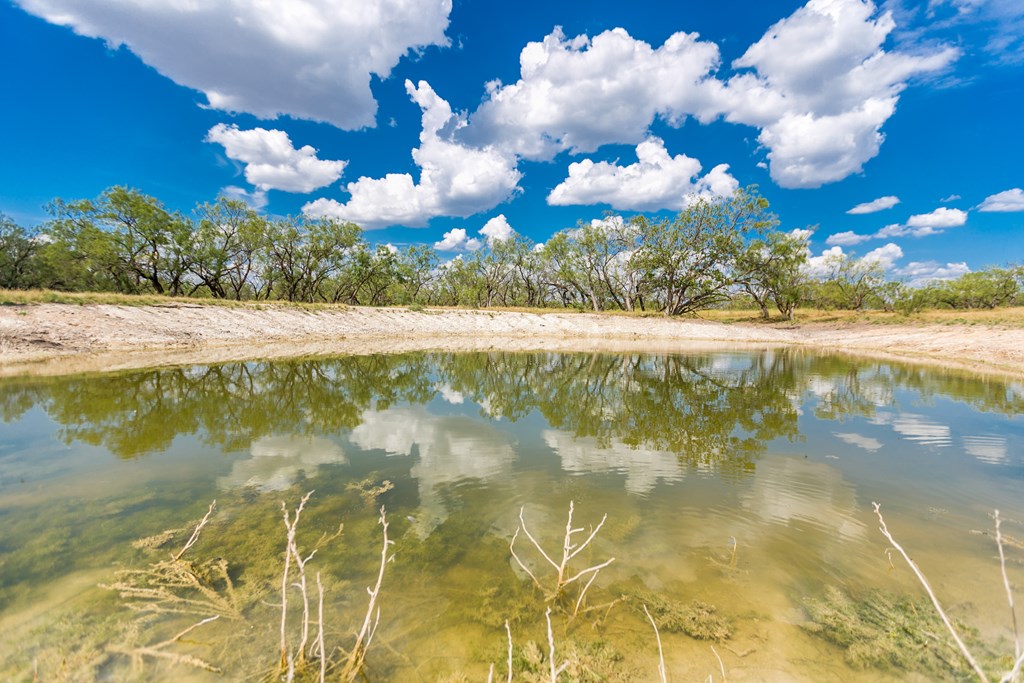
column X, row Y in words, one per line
column 457, row 239
column 656, row 181
column 846, row 239
column 455, row 179
column 819, row 85
column 919, row 273
column 1010, row 200
column 311, row 59
column 496, row 229
column 623, row 84
column 900, row 230
column 826, row 263
column 823, row 264
column 938, row 219
column 876, row 205
column 886, row 255
column 272, row 162
column 924, row 224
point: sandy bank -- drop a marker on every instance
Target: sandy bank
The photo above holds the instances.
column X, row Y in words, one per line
column 61, row 338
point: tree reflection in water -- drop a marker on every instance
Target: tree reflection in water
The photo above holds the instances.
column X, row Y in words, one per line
column 710, row 410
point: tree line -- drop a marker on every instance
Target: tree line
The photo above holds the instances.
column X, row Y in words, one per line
column 717, row 252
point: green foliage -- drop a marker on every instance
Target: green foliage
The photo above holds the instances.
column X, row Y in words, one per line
column 19, row 266
column 770, row 270
column 697, row 619
column 716, row 253
column 887, row 631
column 691, row 262
column 986, row 288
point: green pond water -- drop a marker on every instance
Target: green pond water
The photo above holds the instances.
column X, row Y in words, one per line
column 737, row 488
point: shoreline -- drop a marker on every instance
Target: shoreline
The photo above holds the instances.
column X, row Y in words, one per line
column 56, row 339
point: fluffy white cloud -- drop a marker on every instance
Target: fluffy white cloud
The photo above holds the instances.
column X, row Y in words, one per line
column 950, row 198
column 622, row 83
column 919, row 273
column 455, row 179
column 257, row 199
column 272, row 162
column 822, row 87
column 824, row 263
column 886, row 255
column 900, row 230
column 1010, row 200
column 938, row 219
column 818, row 85
column 924, row 224
column 846, row 239
column 310, row 59
column 496, row 229
column 879, row 204
column 656, row 181
column 457, row 239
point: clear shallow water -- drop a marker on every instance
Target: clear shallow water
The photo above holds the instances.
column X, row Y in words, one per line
column 741, row 480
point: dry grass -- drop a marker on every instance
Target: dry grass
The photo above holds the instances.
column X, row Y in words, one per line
column 17, row 297
column 999, row 317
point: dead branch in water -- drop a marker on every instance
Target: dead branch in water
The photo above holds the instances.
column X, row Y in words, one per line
column 357, row 656
column 158, row 650
column 661, row 653
column 569, row 551
column 195, row 534
column 292, row 553
column 180, row 586
column 1015, row 671
column 555, row 669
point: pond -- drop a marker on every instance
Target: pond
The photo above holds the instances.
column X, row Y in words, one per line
column 735, row 489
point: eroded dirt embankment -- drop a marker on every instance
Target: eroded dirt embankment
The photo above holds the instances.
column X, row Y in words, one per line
column 62, row 338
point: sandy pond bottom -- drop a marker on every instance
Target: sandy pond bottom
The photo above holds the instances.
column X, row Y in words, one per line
column 737, row 488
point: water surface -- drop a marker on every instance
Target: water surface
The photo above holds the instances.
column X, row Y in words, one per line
column 742, row 481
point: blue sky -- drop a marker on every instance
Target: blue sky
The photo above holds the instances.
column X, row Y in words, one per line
column 427, row 121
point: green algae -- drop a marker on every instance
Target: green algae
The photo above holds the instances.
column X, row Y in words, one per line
column 886, row 631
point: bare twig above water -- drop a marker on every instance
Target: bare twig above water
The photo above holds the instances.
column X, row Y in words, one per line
column 1006, row 584
column 1014, row 673
column 661, row 653
column 569, row 551
column 931, row 594
column 364, row 637
column 195, row 534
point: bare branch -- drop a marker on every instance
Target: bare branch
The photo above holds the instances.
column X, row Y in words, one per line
column 1006, row 584
column 195, row 534
column 661, row 654
column 931, row 594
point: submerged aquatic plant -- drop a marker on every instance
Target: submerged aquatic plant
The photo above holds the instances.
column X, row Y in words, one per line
column 883, row 630
column 697, row 619
column 180, row 586
column 177, row 586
